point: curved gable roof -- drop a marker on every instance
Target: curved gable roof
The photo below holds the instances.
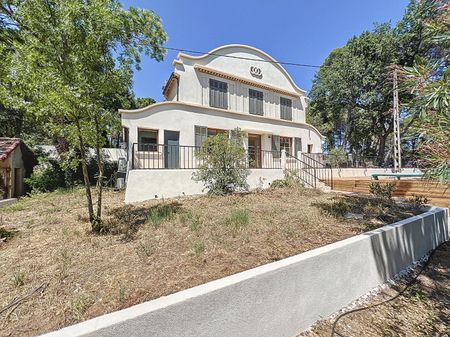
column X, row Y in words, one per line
column 223, row 51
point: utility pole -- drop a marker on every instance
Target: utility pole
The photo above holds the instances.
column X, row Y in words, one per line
column 396, row 112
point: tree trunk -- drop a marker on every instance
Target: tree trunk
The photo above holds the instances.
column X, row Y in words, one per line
column 87, row 184
column 100, row 170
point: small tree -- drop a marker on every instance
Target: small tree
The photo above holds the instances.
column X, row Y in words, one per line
column 223, row 167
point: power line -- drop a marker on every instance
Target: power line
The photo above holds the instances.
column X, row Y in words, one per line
column 242, row 58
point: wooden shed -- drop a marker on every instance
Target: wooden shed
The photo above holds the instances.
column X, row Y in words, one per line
column 16, row 163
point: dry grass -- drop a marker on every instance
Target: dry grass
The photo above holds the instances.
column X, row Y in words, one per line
column 153, row 248
column 422, row 310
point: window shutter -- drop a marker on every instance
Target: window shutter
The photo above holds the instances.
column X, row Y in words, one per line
column 201, row 132
column 298, row 146
column 276, row 146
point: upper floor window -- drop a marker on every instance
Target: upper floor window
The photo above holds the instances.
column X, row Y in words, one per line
column 285, row 108
column 218, row 94
column 255, row 102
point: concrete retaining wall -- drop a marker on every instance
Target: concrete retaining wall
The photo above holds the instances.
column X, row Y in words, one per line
column 6, row 202
column 366, row 172
column 150, row 184
column 283, row 298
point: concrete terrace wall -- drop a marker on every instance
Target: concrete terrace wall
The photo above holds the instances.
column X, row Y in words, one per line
column 150, row 184
column 366, row 172
column 283, row 298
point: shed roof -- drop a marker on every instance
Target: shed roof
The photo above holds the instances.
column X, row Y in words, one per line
column 7, row 146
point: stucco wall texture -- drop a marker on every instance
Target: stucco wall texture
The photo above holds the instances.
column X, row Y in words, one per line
column 283, row 298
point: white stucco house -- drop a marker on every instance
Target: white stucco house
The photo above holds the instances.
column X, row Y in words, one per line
column 233, row 86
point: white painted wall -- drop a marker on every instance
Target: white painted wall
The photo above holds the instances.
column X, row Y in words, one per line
column 193, row 85
column 283, row 298
column 182, row 117
column 159, row 184
column 366, row 172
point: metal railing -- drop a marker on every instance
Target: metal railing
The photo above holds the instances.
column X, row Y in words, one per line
column 302, row 170
column 323, row 172
column 163, row 156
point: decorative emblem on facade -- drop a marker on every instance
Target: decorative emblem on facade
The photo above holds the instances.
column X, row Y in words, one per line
column 256, row 72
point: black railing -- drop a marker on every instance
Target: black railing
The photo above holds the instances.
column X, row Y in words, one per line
column 302, row 170
column 322, row 171
column 163, row 156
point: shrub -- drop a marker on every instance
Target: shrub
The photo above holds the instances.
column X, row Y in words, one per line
column 291, row 178
column 417, row 201
column 223, row 167
column 382, row 192
column 337, row 157
column 47, row 176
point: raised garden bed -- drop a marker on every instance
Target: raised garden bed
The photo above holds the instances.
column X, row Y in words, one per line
column 157, row 248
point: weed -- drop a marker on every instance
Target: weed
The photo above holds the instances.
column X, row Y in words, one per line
column 16, row 207
column 80, row 305
column 64, row 260
column 237, row 220
column 6, row 235
column 185, row 217
column 196, row 223
column 198, row 248
column 160, row 213
column 19, row 278
column 122, row 293
column 146, row 249
column 417, row 201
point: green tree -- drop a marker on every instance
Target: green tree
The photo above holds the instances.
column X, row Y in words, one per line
column 223, row 167
column 73, row 60
column 429, row 80
column 351, row 96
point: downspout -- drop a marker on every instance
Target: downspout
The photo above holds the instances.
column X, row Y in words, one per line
column 178, row 87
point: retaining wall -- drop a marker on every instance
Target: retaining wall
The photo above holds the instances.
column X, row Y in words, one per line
column 150, row 184
column 366, row 172
column 283, row 298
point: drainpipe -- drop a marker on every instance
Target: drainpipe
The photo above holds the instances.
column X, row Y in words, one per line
column 178, row 88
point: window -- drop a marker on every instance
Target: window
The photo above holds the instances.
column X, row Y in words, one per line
column 286, row 144
column 202, row 132
column 147, row 140
column 285, row 108
column 255, row 99
column 276, row 151
column 218, row 94
column 310, row 148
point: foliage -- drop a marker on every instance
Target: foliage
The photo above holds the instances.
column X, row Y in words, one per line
column 337, row 157
column 382, row 192
column 71, row 68
column 429, row 81
column 160, row 213
column 418, row 201
column 223, row 167
column 237, row 220
column 291, row 179
column 351, row 98
column 47, row 176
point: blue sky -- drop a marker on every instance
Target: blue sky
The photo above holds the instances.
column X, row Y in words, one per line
column 301, row 31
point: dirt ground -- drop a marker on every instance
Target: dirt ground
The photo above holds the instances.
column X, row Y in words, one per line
column 422, row 310
column 155, row 248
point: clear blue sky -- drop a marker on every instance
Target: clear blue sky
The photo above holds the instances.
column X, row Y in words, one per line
column 301, row 31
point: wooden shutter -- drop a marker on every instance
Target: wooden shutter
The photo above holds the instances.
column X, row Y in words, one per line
column 276, row 146
column 201, row 132
column 285, row 108
column 297, row 146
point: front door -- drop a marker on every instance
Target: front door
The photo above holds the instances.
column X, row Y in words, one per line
column 254, row 151
column 171, row 149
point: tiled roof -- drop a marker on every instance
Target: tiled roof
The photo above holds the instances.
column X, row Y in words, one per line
column 7, row 146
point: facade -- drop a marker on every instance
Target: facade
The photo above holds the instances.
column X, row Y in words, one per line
column 233, row 86
column 16, row 163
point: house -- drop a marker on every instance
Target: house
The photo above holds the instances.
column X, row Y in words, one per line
column 16, row 163
column 233, row 86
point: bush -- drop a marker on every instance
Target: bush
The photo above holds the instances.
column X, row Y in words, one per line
column 383, row 192
column 223, row 167
column 337, row 157
column 291, row 179
column 47, row 176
